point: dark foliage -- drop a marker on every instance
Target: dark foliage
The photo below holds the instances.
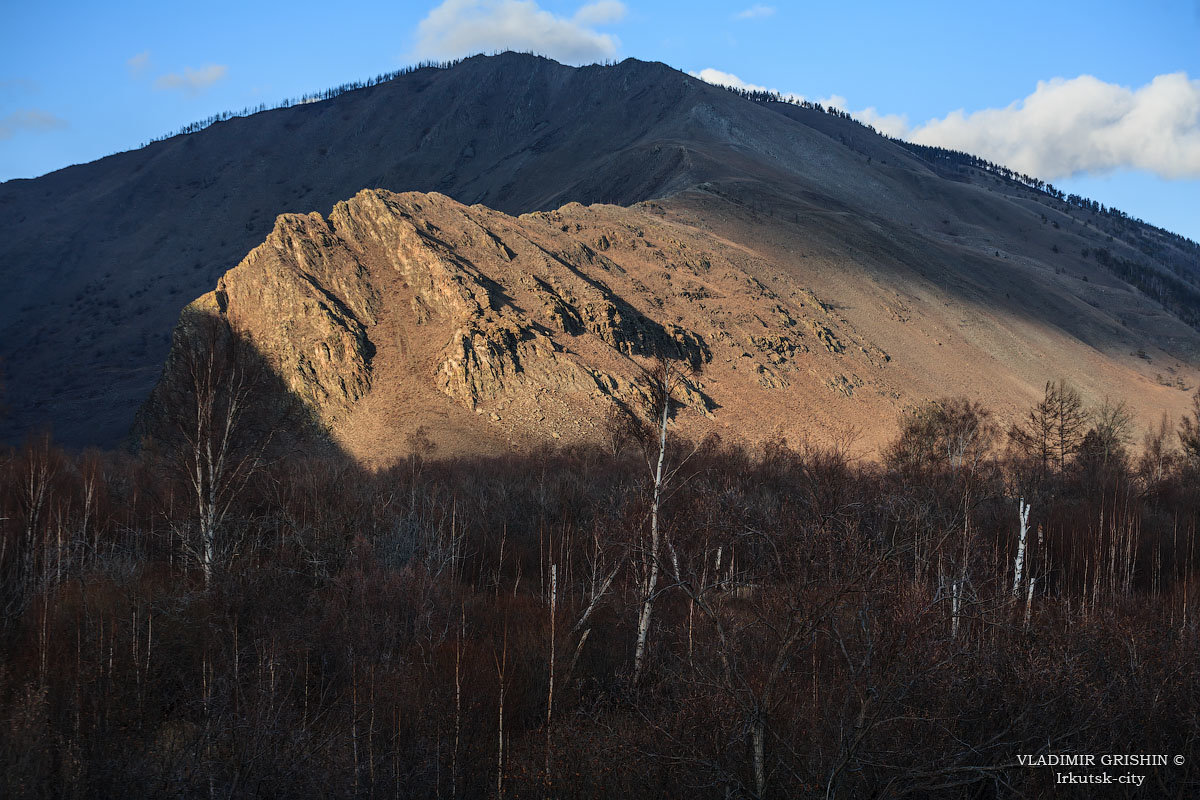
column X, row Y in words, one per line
column 1178, row 295
column 824, row 628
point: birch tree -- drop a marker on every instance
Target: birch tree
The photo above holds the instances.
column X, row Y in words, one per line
column 663, row 381
column 1019, row 560
column 221, row 407
column 952, row 433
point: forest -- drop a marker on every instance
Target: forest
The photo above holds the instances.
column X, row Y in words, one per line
column 232, row 608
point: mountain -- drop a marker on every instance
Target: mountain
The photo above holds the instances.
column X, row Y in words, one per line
column 848, row 277
column 411, row 316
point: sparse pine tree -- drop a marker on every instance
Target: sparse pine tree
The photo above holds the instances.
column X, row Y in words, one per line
column 1053, row 431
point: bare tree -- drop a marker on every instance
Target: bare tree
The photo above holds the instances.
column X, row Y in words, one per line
column 1019, row 561
column 1159, row 455
column 953, row 432
column 220, row 407
column 1112, row 424
column 1189, row 431
column 758, row 625
column 24, row 551
column 663, row 381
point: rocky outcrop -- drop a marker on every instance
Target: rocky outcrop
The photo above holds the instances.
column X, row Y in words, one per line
column 491, row 311
column 407, row 317
column 402, row 311
column 306, row 301
column 488, row 360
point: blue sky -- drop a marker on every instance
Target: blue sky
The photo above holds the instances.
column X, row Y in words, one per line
column 78, row 81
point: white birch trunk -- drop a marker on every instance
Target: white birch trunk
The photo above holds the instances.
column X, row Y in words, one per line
column 1029, row 602
column 955, row 592
column 652, row 578
column 1019, row 562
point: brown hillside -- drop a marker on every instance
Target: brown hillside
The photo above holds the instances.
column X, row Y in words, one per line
column 402, row 311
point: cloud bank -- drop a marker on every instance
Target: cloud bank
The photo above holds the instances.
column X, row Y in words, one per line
column 29, row 120
column 192, row 80
column 1067, row 127
column 463, row 27
column 1064, row 128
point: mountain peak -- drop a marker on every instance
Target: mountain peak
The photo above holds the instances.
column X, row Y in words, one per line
column 98, row 259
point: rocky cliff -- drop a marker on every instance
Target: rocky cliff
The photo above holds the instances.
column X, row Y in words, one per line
column 411, row 312
column 533, row 327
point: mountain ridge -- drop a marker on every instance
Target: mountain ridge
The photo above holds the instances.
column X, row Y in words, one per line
column 100, row 258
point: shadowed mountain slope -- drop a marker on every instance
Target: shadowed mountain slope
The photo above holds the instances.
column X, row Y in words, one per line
column 98, row 259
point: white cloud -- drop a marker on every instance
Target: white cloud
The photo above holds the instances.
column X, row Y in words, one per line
column 1067, row 127
column 756, row 11
column 137, row 65
column 32, row 120
column 192, row 80
column 602, row 12
column 464, row 27
column 1064, row 128
column 895, row 125
column 890, row 124
column 718, row 78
